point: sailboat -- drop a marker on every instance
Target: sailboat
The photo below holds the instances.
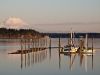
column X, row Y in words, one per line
column 70, row 48
column 88, row 49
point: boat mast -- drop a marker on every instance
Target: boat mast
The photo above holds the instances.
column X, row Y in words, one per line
column 71, row 37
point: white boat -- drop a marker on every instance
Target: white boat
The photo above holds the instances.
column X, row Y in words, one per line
column 87, row 49
column 70, row 47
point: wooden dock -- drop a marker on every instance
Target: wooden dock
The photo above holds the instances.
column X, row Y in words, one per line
column 27, row 51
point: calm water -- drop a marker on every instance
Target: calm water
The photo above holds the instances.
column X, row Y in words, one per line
column 48, row 62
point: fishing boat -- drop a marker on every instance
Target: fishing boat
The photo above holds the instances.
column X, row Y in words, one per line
column 71, row 48
column 87, row 49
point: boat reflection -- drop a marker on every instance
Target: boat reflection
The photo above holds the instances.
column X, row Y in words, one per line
column 83, row 59
column 79, row 56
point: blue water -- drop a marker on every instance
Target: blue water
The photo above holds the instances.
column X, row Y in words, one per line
column 48, row 62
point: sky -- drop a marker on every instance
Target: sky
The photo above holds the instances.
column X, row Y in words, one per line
column 52, row 15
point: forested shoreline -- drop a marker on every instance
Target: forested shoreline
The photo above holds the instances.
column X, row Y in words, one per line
column 17, row 33
column 76, row 35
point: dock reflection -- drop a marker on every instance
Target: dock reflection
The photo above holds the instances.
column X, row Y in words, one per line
column 33, row 58
column 32, row 51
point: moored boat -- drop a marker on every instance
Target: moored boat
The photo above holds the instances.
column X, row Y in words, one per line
column 71, row 48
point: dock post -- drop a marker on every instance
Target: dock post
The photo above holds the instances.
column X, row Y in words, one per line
column 92, row 53
column 50, row 43
column 59, row 44
column 25, row 53
column 50, row 49
column 21, row 53
column 59, row 53
column 28, row 52
column 45, row 42
column 92, row 45
column 38, row 43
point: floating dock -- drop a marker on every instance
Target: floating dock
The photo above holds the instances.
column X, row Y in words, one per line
column 27, row 51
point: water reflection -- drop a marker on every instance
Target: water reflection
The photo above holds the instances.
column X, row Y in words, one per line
column 32, row 51
column 32, row 58
column 83, row 59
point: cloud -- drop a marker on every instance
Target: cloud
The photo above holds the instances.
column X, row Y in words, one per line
column 14, row 22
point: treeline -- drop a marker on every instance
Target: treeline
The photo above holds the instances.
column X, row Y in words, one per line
column 76, row 35
column 15, row 33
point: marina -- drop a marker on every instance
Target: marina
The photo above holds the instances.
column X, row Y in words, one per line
column 63, row 63
column 32, row 44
